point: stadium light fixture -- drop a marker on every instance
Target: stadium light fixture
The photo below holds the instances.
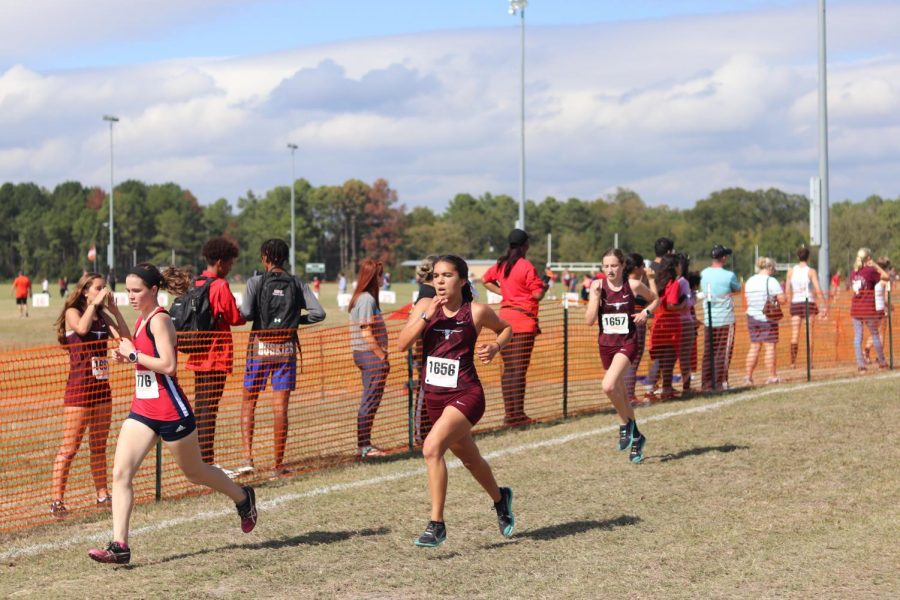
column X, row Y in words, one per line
column 518, row 7
column 292, row 148
column 110, row 250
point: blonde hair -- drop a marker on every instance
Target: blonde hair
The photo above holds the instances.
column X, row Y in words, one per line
column 425, row 269
column 862, row 256
column 765, row 262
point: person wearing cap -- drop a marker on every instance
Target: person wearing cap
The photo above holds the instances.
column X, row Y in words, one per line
column 718, row 286
column 516, row 279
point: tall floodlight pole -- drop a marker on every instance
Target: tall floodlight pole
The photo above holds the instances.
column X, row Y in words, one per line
column 518, row 6
column 110, row 254
column 293, row 147
column 824, row 277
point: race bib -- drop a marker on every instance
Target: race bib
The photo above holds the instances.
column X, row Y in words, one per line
column 145, row 385
column 100, row 368
column 279, row 349
column 857, row 285
column 615, row 323
column 442, row 372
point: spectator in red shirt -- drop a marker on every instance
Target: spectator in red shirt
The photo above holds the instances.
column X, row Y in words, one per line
column 212, row 368
column 517, row 280
column 22, row 292
column 866, row 275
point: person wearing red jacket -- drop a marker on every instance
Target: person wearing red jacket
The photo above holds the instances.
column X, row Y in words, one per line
column 211, row 368
column 517, row 280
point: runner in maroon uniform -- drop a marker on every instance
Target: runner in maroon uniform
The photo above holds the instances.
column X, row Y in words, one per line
column 159, row 410
column 612, row 301
column 449, row 326
column 88, row 317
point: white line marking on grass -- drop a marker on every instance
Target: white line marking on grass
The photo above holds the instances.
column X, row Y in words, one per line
column 452, row 464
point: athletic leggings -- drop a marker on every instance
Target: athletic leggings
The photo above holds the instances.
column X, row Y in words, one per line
column 209, row 386
column 516, row 358
column 719, row 355
column 374, row 376
column 872, row 324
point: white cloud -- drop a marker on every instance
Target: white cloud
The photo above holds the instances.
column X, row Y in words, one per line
column 674, row 108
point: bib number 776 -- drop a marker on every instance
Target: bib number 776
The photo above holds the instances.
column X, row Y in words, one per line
column 145, row 385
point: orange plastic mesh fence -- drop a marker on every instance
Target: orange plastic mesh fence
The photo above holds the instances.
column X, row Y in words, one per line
column 563, row 378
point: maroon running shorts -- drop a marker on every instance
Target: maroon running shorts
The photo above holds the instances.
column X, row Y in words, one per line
column 607, row 353
column 469, row 402
column 798, row 309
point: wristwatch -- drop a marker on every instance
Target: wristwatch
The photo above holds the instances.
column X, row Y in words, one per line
column 423, row 317
column 132, row 356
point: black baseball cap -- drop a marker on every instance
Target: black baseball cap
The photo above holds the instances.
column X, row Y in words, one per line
column 518, row 237
column 720, row 251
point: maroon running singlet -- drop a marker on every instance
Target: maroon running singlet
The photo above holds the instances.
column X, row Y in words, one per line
column 618, row 332
column 450, row 376
column 88, row 382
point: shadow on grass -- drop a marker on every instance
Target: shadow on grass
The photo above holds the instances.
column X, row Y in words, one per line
column 313, row 538
column 724, row 449
column 561, row 530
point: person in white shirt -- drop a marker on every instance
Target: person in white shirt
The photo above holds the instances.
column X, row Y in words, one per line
column 802, row 288
column 763, row 330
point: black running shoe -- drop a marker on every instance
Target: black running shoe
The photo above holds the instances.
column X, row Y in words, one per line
column 637, row 449
column 434, row 535
column 247, row 510
column 115, row 553
column 505, row 518
column 626, row 435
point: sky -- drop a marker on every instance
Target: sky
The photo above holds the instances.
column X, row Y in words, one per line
column 672, row 99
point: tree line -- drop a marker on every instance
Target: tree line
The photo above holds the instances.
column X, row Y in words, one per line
column 48, row 233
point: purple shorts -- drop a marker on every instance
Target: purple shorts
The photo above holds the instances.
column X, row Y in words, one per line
column 469, row 402
column 765, row 332
column 630, row 350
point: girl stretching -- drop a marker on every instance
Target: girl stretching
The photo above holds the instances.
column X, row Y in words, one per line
column 159, row 410
column 612, row 302
column 449, row 327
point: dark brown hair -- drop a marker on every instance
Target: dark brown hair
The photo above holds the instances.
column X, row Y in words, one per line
column 75, row 299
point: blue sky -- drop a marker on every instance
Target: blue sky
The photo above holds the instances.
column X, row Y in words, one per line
column 673, row 99
column 240, row 28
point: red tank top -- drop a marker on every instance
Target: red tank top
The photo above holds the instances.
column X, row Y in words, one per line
column 617, row 328
column 88, row 362
column 449, row 347
column 156, row 396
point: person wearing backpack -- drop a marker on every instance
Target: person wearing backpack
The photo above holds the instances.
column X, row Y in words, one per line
column 274, row 301
column 213, row 361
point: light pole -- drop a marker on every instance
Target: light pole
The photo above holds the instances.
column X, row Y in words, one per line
column 824, row 275
column 293, row 147
column 110, row 254
column 518, row 6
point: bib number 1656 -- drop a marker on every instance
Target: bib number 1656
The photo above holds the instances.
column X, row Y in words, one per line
column 442, row 372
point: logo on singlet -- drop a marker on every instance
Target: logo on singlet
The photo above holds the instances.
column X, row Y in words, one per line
column 617, row 305
column 447, row 332
column 99, row 334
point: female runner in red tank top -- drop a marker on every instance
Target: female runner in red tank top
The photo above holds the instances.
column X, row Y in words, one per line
column 612, row 302
column 88, row 317
column 449, row 326
column 159, row 410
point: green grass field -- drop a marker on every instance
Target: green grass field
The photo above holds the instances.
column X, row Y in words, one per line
column 778, row 492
